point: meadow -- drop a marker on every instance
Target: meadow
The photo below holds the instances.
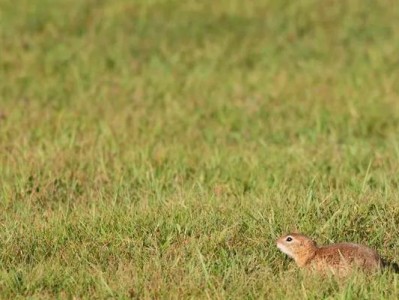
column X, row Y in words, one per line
column 155, row 149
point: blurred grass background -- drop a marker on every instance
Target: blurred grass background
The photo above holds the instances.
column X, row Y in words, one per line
column 157, row 148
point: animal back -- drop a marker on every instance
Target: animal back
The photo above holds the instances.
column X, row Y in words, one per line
column 346, row 256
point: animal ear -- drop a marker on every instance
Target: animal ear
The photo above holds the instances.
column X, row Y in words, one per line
column 295, row 230
column 313, row 243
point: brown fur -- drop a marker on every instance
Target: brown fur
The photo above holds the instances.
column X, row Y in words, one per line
column 337, row 258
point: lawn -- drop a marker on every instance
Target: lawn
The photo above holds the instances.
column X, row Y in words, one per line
column 156, row 149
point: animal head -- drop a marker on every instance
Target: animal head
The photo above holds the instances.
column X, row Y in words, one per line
column 296, row 245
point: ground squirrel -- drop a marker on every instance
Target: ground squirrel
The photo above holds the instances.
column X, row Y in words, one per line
column 336, row 258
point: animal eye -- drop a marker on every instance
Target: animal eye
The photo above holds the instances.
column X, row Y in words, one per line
column 289, row 239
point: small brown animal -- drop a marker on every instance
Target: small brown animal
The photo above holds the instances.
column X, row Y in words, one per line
column 339, row 259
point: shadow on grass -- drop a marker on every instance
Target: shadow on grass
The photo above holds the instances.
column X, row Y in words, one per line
column 391, row 265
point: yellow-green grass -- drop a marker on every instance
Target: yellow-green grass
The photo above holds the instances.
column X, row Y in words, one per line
column 156, row 149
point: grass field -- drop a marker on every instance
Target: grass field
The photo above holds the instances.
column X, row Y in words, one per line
column 156, row 149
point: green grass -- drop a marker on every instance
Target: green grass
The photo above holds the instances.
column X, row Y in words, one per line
column 156, row 149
